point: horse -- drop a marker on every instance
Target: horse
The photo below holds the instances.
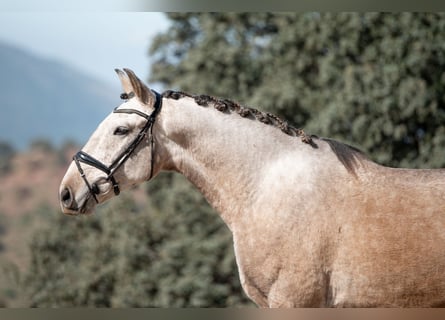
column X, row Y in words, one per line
column 315, row 222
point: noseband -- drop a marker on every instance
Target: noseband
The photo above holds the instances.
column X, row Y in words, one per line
column 123, row 156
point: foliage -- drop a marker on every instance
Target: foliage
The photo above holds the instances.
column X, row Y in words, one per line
column 42, row 144
column 7, row 152
column 375, row 80
column 126, row 257
column 3, row 229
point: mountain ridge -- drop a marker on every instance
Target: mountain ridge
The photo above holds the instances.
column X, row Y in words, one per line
column 42, row 98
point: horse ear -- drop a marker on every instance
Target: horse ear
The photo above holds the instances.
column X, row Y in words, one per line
column 125, row 81
column 140, row 90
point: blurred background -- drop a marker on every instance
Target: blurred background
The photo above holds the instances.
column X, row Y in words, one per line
column 373, row 80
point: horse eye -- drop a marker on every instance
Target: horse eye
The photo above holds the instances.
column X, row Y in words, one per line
column 120, row 131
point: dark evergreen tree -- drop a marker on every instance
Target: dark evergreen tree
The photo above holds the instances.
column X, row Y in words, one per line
column 7, row 152
column 125, row 256
column 375, row 80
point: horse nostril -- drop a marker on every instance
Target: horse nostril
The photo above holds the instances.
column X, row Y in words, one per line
column 66, row 198
column 95, row 188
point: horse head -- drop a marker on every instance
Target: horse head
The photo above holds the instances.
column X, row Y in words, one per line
column 118, row 155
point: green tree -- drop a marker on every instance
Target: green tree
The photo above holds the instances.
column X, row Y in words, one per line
column 42, row 144
column 375, row 80
column 3, row 230
column 124, row 256
column 7, row 152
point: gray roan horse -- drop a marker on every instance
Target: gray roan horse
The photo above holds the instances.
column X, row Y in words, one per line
column 314, row 222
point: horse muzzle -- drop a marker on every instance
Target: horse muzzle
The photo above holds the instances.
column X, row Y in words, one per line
column 74, row 199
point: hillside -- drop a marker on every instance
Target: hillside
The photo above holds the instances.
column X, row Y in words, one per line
column 28, row 201
column 44, row 104
column 47, row 99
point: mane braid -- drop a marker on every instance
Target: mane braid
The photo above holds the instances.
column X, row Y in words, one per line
column 228, row 106
column 349, row 156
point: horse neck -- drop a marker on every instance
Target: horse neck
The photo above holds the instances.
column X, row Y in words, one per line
column 222, row 154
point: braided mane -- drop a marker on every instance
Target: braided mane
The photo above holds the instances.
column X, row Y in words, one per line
column 225, row 105
column 349, row 156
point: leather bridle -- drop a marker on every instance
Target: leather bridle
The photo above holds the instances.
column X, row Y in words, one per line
column 110, row 170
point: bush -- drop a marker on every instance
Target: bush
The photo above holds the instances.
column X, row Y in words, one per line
column 7, row 152
column 126, row 257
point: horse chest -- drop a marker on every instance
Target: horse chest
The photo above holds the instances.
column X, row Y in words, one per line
column 274, row 273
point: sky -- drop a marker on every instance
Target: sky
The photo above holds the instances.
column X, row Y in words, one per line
column 95, row 42
column 69, row 5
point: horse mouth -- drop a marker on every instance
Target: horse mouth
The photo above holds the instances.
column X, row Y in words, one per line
column 77, row 212
column 87, row 208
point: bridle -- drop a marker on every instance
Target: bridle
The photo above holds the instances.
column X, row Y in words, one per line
column 110, row 170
